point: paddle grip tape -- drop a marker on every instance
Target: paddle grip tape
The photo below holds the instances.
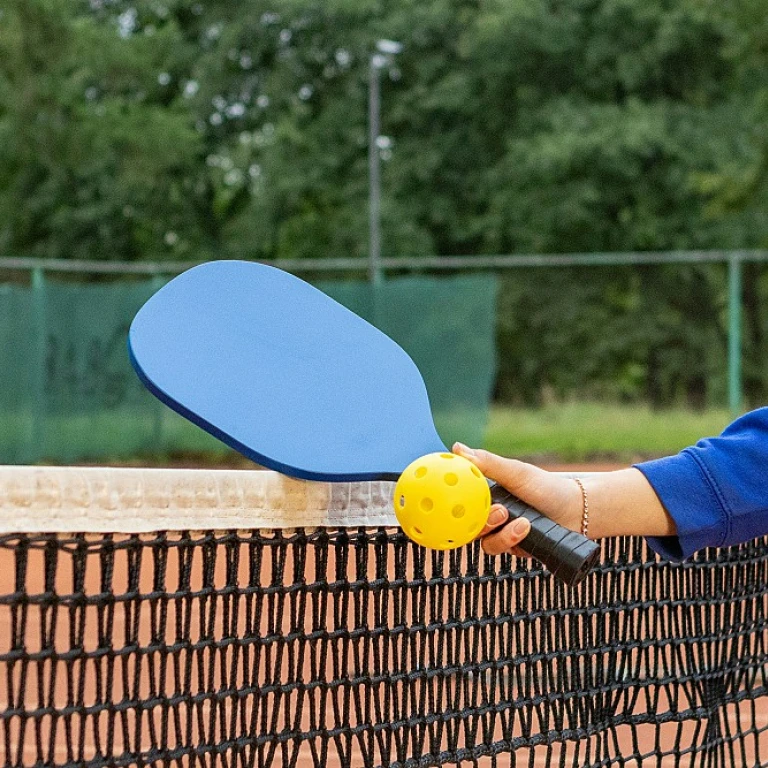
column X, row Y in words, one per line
column 568, row 555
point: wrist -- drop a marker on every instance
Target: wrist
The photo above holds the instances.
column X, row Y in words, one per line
column 584, row 521
column 571, row 504
column 623, row 503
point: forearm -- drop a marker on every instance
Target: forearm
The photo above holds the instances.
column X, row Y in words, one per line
column 712, row 494
column 620, row 503
column 623, row 503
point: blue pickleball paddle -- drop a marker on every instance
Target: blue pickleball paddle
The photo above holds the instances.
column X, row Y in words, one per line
column 296, row 382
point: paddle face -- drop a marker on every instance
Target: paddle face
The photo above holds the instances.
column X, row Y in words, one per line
column 283, row 374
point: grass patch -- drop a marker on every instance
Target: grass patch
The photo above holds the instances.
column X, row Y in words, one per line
column 575, row 432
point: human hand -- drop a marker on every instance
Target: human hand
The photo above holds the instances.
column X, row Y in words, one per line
column 554, row 495
column 621, row 502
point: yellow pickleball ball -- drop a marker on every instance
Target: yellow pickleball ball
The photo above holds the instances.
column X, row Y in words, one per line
column 442, row 501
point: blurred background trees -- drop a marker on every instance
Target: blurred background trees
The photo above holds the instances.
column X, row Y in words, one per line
column 183, row 129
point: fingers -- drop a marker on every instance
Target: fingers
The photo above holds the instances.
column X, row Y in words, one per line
column 500, row 536
column 556, row 496
column 516, row 476
column 497, row 516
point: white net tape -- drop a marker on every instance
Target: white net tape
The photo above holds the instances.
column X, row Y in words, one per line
column 132, row 500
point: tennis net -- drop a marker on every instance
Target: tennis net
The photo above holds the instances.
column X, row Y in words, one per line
column 225, row 618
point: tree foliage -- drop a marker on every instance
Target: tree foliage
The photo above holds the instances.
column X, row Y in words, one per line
column 174, row 129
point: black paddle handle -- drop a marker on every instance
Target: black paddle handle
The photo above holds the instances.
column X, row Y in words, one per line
column 567, row 554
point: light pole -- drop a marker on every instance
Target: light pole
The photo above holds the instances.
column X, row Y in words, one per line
column 381, row 58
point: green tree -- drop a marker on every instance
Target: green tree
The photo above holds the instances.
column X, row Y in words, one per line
column 149, row 129
column 95, row 160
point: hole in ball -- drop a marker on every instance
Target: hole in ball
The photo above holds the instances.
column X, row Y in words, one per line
column 421, row 471
column 476, row 472
column 417, row 531
column 402, row 501
column 427, row 504
column 447, row 455
column 458, row 511
column 451, row 479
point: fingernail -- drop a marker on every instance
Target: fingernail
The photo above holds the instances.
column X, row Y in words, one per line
column 462, row 449
column 521, row 526
column 497, row 516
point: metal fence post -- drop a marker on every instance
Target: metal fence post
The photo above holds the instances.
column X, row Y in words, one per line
column 735, row 395
column 38, row 407
column 374, row 194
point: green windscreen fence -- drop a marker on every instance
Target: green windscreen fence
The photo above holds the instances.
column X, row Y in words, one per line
column 68, row 392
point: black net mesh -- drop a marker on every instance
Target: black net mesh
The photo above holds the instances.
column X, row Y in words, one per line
column 358, row 648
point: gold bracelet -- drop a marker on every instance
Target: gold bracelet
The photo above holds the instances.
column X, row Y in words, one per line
column 585, row 509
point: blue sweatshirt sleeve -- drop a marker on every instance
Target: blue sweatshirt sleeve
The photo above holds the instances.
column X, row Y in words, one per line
column 715, row 491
